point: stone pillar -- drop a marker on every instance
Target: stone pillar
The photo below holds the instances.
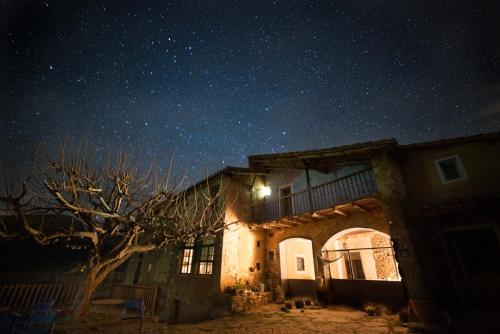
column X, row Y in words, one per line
column 393, row 196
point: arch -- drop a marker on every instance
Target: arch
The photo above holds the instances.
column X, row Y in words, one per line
column 348, row 231
column 360, row 253
column 294, row 236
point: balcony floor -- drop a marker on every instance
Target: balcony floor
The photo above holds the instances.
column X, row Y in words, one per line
column 365, row 205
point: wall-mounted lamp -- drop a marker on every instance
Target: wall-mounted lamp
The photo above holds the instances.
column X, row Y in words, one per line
column 264, row 191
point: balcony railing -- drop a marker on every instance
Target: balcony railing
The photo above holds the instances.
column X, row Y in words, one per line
column 343, row 190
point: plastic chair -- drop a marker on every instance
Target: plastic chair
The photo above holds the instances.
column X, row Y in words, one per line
column 7, row 322
column 45, row 305
column 41, row 306
column 40, row 322
column 136, row 305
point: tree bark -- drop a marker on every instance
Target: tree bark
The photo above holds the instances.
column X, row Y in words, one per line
column 97, row 274
column 89, row 287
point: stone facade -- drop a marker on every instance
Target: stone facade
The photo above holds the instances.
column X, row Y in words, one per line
column 245, row 299
column 318, row 233
column 248, row 253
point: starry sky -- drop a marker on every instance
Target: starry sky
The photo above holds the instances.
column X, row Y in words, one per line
column 215, row 81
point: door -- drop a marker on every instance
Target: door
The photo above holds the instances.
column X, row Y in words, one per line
column 286, row 208
column 475, row 254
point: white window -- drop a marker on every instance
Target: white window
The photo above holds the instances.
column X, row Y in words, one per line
column 207, row 255
column 301, row 263
column 187, row 252
column 450, row 169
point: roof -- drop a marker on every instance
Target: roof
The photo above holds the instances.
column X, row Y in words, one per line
column 494, row 136
column 228, row 170
column 321, row 158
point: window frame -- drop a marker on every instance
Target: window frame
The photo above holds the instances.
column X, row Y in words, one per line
column 285, row 201
column 189, row 265
column 300, row 256
column 459, row 165
column 210, row 256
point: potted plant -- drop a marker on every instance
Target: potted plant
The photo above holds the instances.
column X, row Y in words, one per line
column 371, row 310
column 299, row 303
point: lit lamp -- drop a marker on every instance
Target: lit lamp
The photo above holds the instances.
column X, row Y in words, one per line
column 264, row 191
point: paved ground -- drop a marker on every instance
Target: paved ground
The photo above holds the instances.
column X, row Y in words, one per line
column 266, row 319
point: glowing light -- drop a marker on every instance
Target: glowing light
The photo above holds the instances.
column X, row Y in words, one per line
column 264, row 191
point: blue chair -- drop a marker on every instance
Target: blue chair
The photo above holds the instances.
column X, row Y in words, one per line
column 40, row 322
column 7, row 322
column 41, row 306
column 138, row 307
column 45, row 305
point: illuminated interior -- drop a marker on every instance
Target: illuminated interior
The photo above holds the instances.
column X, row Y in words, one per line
column 296, row 259
column 362, row 254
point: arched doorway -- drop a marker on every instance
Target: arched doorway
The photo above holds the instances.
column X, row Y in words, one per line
column 297, row 268
column 361, row 266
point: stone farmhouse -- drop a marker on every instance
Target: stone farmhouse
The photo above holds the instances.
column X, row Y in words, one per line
column 371, row 222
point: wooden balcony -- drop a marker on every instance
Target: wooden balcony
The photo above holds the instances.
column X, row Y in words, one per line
column 310, row 202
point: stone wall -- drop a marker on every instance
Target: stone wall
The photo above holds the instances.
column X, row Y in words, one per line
column 384, row 261
column 318, row 233
column 246, row 299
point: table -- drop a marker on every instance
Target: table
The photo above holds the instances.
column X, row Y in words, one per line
column 107, row 302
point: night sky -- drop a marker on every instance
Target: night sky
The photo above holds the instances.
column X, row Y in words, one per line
column 217, row 81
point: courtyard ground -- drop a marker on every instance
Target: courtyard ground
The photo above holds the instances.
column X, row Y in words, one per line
column 264, row 319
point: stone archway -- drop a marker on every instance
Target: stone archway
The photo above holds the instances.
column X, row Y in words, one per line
column 361, row 267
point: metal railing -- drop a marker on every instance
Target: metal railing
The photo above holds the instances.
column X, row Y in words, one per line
column 24, row 296
column 354, row 262
column 343, row 190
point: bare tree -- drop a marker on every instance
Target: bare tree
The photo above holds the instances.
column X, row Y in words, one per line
column 116, row 210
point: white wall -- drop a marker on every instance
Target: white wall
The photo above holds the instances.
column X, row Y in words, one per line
column 298, row 180
column 289, row 250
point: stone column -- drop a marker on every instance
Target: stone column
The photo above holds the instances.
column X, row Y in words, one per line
column 393, row 196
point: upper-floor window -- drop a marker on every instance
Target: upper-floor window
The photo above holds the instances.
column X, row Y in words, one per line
column 207, row 252
column 450, row 169
column 187, row 256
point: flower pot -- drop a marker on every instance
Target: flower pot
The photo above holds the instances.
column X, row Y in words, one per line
column 299, row 304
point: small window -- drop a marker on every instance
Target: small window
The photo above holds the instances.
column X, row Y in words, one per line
column 270, row 256
column 207, row 253
column 357, row 266
column 187, row 256
column 301, row 264
column 258, row 243
column 450, row 169
column 257, row 266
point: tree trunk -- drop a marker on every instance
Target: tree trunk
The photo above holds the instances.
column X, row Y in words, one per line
column 89, row 287
column 97, row 274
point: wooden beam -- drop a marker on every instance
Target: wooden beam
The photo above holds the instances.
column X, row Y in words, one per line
column 356, row 206
column 299, row 220
column 307, row 219
column 340, row 212
column 285, row 223
column 291, row 221
column 320, row 215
